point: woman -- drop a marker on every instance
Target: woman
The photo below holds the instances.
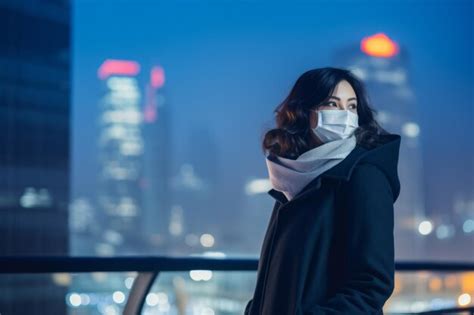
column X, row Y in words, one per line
column 329, row 244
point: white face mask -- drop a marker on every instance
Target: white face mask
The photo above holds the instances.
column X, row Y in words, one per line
column 335, row 124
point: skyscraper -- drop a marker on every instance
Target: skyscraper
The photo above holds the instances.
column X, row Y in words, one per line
column 34, row 146
column 385, row 68
column 157, row 162
column 121, row 147
column 133, row 156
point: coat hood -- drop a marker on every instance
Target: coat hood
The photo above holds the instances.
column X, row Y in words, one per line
column 385, row 156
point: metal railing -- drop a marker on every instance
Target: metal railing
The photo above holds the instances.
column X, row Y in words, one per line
column 450, row 311
column 149, row 267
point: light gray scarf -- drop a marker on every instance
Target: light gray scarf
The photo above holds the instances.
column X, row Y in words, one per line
column 291, row 176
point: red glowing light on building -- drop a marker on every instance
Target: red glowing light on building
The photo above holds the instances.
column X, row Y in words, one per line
column 157, row 77
column 119, row 67
column 157, row 80
column 379, row 45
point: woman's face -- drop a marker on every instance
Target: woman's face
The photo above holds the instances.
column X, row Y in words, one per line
column 343, row 97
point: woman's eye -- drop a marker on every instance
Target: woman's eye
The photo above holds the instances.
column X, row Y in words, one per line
column 353, row 105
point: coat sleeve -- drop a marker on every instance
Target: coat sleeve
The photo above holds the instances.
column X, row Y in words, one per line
column 369, row 244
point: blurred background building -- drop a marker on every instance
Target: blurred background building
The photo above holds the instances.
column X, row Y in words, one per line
column 35, row 85
column 385, row 68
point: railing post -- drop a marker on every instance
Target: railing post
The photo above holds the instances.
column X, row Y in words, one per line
column 138, row 293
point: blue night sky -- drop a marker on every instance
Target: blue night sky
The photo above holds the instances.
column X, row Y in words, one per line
column 229, row 63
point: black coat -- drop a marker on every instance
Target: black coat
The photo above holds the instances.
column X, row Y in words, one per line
column 330, row 249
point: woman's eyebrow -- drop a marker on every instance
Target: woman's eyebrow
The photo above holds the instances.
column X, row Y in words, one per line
column 337, row 98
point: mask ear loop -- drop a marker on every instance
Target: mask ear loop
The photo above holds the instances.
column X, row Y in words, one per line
column 317, row 117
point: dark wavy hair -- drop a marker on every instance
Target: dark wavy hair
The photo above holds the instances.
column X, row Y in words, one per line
column 293, row 135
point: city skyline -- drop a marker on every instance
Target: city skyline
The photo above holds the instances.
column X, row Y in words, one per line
column 221, row 85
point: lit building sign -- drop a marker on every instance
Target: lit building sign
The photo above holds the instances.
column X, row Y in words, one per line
column 118, row 67
column 379, row 45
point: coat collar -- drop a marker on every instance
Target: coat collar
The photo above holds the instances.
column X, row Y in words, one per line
column 384, row 156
